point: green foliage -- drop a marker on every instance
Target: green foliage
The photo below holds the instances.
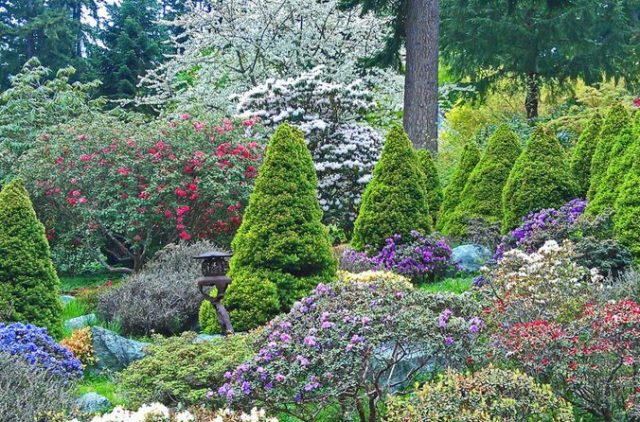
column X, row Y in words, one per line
column 627, row 210
column 468, row 160
column 182, row 369
column 622, row 156
column 582, row 154
column 395, row 201
column 281, row 250
column 432, row 183
column 208, row 318
column 615, row 121
column 539, row 179
column 490, row 394
column 29, row 285
column 481, row 197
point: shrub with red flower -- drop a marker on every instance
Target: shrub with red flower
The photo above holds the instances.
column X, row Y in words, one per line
column 125, row 189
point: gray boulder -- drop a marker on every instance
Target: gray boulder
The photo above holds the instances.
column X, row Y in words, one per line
column 113, row 351
column 470, row 258
column 93, row 403
column 79, row 322
column 206, row 337
column 66, row 299
column 403, row 373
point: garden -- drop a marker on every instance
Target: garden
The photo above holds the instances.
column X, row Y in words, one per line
column 311, row 212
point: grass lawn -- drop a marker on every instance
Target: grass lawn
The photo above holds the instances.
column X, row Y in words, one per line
column 70, row 283
column 454, row 285
column 103, row 385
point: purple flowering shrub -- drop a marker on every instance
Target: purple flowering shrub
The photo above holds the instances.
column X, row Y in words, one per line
column 349, row 344
column 420, row 258
column 353, row 261
column 34, row 345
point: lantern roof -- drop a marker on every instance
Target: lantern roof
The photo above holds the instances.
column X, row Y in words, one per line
column 213, row 254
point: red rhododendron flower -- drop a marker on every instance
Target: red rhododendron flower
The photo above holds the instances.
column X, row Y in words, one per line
column 184, row 235
column 181, row 192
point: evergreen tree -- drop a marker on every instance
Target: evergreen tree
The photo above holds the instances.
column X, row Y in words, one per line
column 481, row 198
column 432, row 182
column 133, row 44
column 583, row 153
column 452, row 193
column 617, row 118
column 29, row 285
column 627, row 209
column 539, row 179
column 394, row 201
column 281, row 250
column 539, row 42
column 620, row 162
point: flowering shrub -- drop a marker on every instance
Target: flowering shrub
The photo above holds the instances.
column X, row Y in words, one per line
column 33, row 345
column 345, row 343
column 344, row 152
column 593, row 361
column 157, row 412
column 81, row 346
column 353, row 261
column 420, row 258
column 490, row 394
column 369, row 277
column 127, row 189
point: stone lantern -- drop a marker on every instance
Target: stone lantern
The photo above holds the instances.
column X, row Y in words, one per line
column 215, row 265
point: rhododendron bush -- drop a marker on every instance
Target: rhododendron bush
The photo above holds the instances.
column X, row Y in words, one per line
column 125, row 189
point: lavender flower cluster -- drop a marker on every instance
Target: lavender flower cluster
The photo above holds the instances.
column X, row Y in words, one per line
column 36, row 347
column 420, row 258
column 543, row 225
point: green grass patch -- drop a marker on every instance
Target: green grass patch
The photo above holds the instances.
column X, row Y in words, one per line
column 452, row 285
column 70, row 283
column 102, row 384
column 74, row 309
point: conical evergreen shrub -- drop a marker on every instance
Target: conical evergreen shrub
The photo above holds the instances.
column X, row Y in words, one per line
column 626, row 216
column 29, row 285
column 583, row 153
column 539, row 179
column 620, row 162
column 617, row 118
column 451, row 198
column 482, row 195
column 281, row 250
column 394, row 201
column 432, row 183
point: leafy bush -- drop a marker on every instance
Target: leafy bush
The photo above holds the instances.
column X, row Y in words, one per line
column 281, row 250
column 622, row 156
column 539, row 179
column 592, row 360
column 157, row 412
column 369, row 277
column 432, row 183
column 395, row 201
column 343, row 344
column 481, row 197
column 616, row 119
column 162, row 298
column 81, row 346
column 420, row 258
column 34, row 345
column 453, row 191
column 330, row 114
column 29, row 284
column 627, row 212
column 128, row 188
column 490, row 394
column 182, row 369
column 32, row 395
column 208, row 319
column 353, row 261
column 580, row 166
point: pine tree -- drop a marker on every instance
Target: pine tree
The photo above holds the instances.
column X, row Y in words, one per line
column 394, row 201
column 539, row 179
column 432, row 183
column 133, row 44
column 281, row 250
column 451, row 198
column 627, row 209
column 29, row 285
column 615, row 121
column 620, row 162
column 481, row 198
column 583, row 153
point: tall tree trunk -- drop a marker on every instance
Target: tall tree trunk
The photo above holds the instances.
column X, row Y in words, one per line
column 533, row 96
column 421, row 80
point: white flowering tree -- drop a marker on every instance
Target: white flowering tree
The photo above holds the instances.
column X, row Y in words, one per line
column 331, row 114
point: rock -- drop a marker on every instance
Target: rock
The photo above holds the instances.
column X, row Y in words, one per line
column 115, row 352
column 403, row 373
column 66, row 299
column 93, row 403
column 79, row 322
column 207, row 337
column 470, row 258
